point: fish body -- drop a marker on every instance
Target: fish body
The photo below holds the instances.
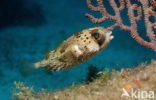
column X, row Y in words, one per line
column 77, row 49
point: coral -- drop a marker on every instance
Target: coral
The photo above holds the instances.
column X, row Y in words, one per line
column 153, row 3
column 141, row 78
column 27, row 93
column 148, row 11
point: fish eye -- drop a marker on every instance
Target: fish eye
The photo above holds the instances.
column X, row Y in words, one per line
column 96, row 35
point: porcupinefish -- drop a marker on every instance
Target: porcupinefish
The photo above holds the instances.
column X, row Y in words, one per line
column 76, row 50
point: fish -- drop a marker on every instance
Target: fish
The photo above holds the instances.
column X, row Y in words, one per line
column 76, row 50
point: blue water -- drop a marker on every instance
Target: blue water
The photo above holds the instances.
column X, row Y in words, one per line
column 29, row 27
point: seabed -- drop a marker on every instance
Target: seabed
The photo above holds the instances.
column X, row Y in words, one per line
column 137, row 83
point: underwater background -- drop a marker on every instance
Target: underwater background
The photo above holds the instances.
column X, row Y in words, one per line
column 30, row 28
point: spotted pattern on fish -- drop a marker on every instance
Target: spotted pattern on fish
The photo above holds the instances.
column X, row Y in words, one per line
column 77, row 49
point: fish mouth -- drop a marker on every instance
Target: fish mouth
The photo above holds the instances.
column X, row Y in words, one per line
column 105, row 32
column 108, row 37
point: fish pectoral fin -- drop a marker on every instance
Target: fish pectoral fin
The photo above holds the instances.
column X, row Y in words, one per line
column 77, row 52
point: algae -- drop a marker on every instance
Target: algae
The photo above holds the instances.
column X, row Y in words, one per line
column 106, row 87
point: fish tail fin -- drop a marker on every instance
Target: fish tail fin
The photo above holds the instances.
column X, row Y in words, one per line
column 26, row 68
